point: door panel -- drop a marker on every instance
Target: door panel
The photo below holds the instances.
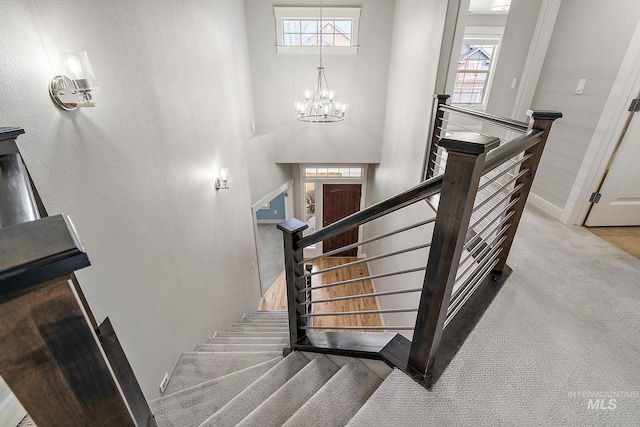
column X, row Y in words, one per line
column 339, row 201
column 620, row 200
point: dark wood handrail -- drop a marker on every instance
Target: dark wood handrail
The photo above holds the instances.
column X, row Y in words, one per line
column 425, row 189
column 488, row 118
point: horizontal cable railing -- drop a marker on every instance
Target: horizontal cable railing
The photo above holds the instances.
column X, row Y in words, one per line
column 418, row 278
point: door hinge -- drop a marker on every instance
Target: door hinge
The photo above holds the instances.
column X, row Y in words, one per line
column 635, row 105
column 595, row 197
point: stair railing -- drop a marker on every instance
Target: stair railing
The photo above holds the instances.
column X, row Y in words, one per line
column 476, row 187
column 63, row 368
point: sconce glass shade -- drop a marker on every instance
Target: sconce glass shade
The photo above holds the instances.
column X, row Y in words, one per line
column 71, row 87
column 500, row 5
column 222, row 182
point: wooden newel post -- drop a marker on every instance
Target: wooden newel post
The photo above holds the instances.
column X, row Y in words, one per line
column 436, row 125
column 294, row 270
column 465, row 162
column 542, row 120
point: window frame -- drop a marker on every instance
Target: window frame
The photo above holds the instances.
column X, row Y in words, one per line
column 313, row 13
column 481, row 32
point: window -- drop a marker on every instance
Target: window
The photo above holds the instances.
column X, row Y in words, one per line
column 332, row 173
column 299, row 30
column 304, row 32
column 477, row 59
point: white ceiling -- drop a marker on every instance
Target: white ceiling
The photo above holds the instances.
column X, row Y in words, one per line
column 482, row 7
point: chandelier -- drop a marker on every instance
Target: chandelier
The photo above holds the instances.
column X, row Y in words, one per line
column 319, row 105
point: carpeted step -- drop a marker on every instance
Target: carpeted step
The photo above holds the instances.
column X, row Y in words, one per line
column 282, row 334
column 282, row 404
column 239, row 347
column 245, row 402
column 193, row 405
column 248, row 340
column 194, row 368
column 339, row 399
column 261, row 325
column 269, row 313
column 400, row 401
column 269, row 322
column 258, row 330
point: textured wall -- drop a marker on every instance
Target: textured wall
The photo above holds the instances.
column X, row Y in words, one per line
column 171, row 257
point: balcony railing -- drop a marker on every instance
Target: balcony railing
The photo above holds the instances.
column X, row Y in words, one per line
column 450, row 253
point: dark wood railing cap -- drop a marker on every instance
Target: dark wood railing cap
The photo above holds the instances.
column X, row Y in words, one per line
column 37, row 251
column 293, row 226
column 544, row 114
column 441, row 96
column 469, row 143
column 10, row 133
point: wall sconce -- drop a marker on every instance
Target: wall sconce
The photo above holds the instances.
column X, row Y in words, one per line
column 71, row 88
column 500, row 5
column 222, row 182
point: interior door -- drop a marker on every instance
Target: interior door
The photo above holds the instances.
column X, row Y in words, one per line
column 619, row 203
column 339, row 201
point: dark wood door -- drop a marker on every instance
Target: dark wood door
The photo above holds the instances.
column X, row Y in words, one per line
column 339, row 201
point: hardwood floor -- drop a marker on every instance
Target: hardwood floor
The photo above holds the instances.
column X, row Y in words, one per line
column 625, row 238
column 275, row 298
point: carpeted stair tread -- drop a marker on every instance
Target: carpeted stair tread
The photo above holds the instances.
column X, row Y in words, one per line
column 398, row 401
column 339, row 399
column 238, row 347
column 253, row 334
column 248, row 340
column 193, row 405
column 269, row 313
column 265, row 319
column 246, row 401
column 257, row 329
column 281, row 405
column 260, row 325
column 197, row 367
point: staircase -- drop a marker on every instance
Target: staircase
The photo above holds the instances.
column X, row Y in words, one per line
column 239, row 377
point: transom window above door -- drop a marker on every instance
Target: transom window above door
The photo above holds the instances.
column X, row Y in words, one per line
column 333, row 172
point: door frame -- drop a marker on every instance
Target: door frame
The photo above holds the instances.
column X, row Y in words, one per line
column 288, row 213
column 316, row 250
column 606, row 136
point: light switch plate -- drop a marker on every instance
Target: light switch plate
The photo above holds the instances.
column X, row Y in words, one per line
column 581, row 85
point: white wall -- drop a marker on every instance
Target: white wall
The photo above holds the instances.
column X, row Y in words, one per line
column 514, row 48
column 171, row 257
column 264, row 173
column 360, row 80
column 417, row 37
column 589, row 41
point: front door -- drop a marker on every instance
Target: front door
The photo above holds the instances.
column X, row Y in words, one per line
column 339, row 201
column 620, row 201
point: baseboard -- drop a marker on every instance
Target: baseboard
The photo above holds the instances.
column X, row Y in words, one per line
column 545, row 206
column 270, row 221
column 11, row 411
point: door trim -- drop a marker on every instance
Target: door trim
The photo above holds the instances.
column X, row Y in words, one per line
column 288, row 213
column 316, row 250
column 606, row 135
